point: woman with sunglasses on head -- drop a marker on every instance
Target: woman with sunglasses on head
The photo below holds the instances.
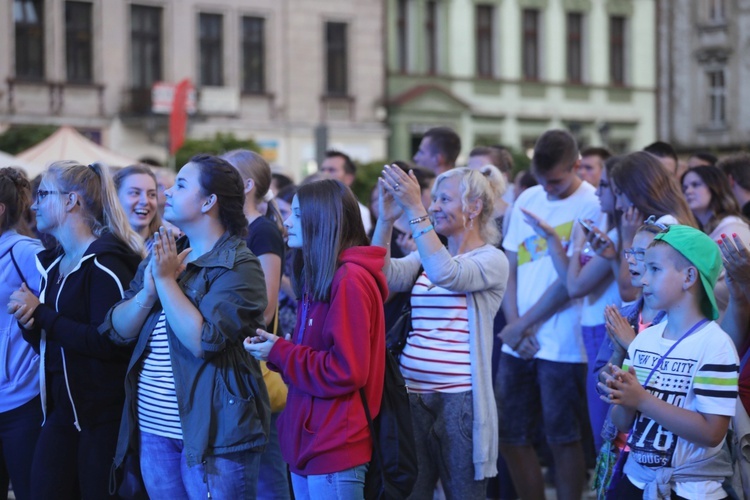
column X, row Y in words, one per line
column 642, row 187
column 81, row 371
column 20, row 411
column 196, row 410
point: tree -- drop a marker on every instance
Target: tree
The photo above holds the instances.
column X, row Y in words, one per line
column 19, row 138
column 221, row 143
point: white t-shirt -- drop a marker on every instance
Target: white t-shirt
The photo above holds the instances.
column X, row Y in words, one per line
column 606, row 293
column 560, row 336
column 700, row 375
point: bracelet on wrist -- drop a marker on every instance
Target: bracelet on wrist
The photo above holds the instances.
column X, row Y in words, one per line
column 140, row 304
column 417, row 220
column 417, row 234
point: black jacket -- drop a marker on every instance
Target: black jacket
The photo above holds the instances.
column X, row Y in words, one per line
column 75, row 356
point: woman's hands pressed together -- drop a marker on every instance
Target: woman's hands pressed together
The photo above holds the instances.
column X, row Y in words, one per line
column 404, row 189
column 166, row 263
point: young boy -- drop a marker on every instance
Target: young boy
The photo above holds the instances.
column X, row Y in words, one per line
column 677, row 391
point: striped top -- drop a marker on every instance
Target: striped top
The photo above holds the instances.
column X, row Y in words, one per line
column 436, row 355
column 157, row 401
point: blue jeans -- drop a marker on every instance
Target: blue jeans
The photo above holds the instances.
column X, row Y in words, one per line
column 347, row 484
column 19, row 431
column 273, row 481
column 443, row 425
column 593, row 336
column 166, row 473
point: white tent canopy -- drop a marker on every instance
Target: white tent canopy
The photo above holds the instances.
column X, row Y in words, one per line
column 67, row 144
column 7, row 160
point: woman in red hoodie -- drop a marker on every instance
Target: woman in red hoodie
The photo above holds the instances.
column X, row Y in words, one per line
column 338, row 345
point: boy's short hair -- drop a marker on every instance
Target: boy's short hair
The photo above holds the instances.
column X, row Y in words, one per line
column 701, row 252
column 445, row 141
column 553, row 148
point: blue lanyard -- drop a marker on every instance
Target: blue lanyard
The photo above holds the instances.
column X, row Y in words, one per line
column 658, row 364
column 303, row 323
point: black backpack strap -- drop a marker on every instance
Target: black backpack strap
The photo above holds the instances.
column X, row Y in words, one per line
column 375, row 442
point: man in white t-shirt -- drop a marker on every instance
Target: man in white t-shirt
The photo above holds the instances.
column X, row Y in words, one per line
column 542, row 373
column 339, row 166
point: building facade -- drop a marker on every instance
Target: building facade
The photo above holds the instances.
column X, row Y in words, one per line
column 271, row 70
column 704, row 67
column 504, row 71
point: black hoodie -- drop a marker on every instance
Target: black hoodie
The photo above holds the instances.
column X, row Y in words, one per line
column 83, row 372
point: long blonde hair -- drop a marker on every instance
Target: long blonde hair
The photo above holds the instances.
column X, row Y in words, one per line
column 101, row 207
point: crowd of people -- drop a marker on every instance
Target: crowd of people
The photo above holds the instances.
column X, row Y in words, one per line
column 222, row 332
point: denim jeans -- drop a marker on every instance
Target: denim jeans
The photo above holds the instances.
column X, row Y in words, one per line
column 19, row 430
column 166, row 473
column 530, row 389
column 347, row 484
column 443, row 434
column 273, row 481
column 593, row 336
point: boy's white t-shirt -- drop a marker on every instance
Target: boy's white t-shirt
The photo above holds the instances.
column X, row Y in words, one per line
column 699, row 375
column 560, row 336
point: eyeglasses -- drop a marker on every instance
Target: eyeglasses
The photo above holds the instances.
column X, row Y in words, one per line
column 42, row 193
column 638, row 255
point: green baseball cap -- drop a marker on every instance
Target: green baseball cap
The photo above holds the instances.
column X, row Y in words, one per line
column 703, row 253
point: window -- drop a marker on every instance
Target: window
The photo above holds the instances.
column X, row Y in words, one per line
column 431, row 39
column 530, row 44
column 145, row 41
column 617, row 50
column 717, row 98
column 575, row 47
column 336, row 60
column 211, row 56
column 254, row 55
column 78, row 42
column 485, row 58
column 28, row 17
column 716, row 11
column 402, row 35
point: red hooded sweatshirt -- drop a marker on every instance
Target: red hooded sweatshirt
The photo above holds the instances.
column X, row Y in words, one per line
column 341, row 349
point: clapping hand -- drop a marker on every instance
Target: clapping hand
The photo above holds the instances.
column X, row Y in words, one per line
column 166, row 262
column 737, row 264
column 618, row 328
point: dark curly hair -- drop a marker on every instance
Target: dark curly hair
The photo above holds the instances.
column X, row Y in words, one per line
column 219, row 177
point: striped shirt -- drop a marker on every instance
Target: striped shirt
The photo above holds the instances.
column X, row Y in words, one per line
column 436, row 355
column 157, row 401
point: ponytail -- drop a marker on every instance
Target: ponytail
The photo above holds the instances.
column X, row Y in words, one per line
column 101, row 207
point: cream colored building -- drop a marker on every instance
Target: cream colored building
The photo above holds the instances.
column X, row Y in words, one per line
column 704, row 56
column 504, row 71
column 272, row 70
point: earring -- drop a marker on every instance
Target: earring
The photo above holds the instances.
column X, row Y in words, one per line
column 471, row 223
